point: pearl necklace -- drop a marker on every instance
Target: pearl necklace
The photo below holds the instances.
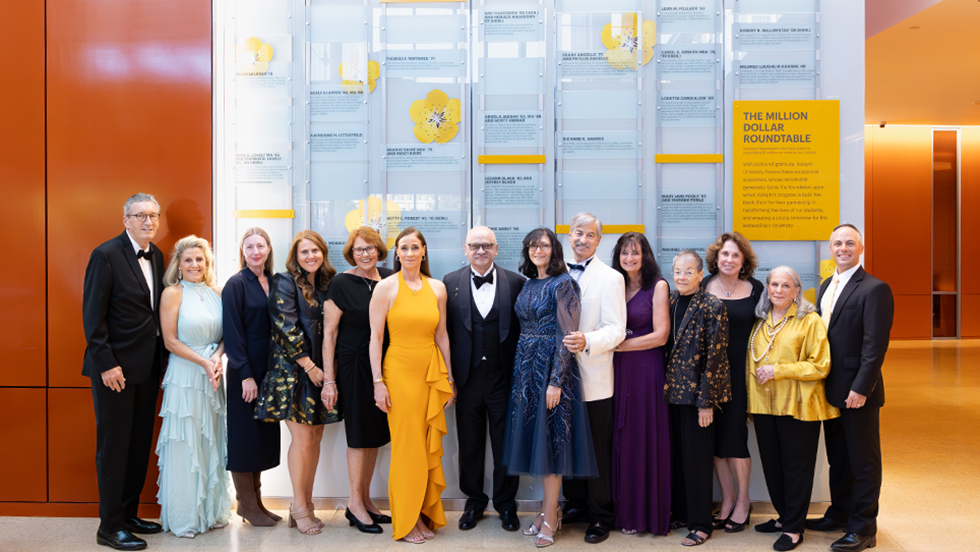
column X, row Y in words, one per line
column 772, row 338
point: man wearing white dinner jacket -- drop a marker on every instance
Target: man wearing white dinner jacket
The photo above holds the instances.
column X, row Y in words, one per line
column 602, row 326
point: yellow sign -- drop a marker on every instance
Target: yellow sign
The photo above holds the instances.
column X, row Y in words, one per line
column 786, row 169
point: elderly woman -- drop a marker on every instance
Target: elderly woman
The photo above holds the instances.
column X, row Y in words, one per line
column 697, row 383
column 789, row 358
column 347, row 365
column 732, row 262
column 253, row 446
column 415, row 387
column 290, row 390
column 641, row 439
column 193, row 482
column 548, row 433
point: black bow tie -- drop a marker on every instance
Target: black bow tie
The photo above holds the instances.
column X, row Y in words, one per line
column 143, row 255
column 573, row 266
column 480, row 280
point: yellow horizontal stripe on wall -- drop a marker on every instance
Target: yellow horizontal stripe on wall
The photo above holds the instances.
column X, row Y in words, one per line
column 607, row 228
column 511, row 159
column 264, row 213
column 690, row 158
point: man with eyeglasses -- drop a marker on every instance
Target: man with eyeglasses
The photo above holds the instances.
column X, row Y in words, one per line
column 483, row 332
column 123, row 357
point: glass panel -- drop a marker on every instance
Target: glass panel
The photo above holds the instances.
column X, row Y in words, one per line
column 598, row 104
column 944, row 211
column 777, row 70
column 687, row 16
column 338, row 23
column 775, row 32
column 944, row 315
column 424, row 29
column 512, row 24
column 511, row 129
column 777, row 6
column 512, row 76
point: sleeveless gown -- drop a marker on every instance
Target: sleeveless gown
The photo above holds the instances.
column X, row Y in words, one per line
column 641, row 435
column 193, row 482
column 418, row 385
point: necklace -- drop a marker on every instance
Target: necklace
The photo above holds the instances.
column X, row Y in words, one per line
column 632, row 290
column 728, row 293
column 369, row 282
column 414, row 291
column 772, row 338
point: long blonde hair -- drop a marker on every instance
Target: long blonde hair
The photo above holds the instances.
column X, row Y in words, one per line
column 172, row 276
column 256, row 231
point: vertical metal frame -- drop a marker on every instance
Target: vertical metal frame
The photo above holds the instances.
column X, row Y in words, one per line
column 932, row 231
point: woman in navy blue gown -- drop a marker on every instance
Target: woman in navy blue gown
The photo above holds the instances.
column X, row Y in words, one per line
column 253, row 445
column 547, row 427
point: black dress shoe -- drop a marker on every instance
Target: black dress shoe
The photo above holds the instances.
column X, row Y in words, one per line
column 824, row 524
column 768, row 527
column 468, row 520
column 509, row 521
column 120, row 540
column 372, row 527
column 852, row 542
column 785, row 543
column 380, row 518
column 143, row 527
column 574, row 515
column 596, row 533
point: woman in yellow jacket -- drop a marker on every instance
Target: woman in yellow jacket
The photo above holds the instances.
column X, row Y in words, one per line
column 789, row 358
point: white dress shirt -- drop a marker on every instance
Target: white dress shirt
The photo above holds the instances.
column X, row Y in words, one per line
column 483, row 297
column 145, row 265
column 827, row 303
column 577, row 273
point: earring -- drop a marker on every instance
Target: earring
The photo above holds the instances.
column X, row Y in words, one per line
column 742, row 270
column 180, row 274
column 423, row 257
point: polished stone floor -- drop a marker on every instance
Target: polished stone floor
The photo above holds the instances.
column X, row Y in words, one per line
column 931, row 449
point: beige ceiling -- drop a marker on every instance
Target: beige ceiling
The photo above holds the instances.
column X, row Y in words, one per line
column 929, row 75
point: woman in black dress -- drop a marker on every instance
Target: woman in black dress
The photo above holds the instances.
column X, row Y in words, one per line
column 732, row 263
column 253, row 446
column 291, row 389
column 347, row 367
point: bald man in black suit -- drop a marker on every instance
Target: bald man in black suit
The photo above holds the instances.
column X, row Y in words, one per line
column 858, row 310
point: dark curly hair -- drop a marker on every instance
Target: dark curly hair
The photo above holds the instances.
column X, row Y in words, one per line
column 649, row 269
column 556, row 264
column 749, row 259
column 323, row 275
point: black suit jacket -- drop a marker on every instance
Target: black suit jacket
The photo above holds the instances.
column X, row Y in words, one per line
column 459, row 319
column 858, row 333
column 121, row 326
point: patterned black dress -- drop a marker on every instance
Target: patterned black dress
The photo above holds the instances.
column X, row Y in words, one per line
column 539, row 441
column 287, row 393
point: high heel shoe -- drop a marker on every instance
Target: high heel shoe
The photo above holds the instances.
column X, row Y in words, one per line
column 736, row 527
column 531, row 529
column 303, row 514
column 379, row 518
column 542, row 540
column 362, row 527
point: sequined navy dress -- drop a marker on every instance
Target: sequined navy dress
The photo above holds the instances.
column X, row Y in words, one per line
column 540, row 441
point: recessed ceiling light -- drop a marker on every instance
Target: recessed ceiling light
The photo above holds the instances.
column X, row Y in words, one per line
column 915, row 27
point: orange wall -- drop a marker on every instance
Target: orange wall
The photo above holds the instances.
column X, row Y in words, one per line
column 106, row 98
column 898, row 191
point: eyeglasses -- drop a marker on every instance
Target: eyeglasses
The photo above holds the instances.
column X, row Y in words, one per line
column 369, row 250
column 539, row 246
column 143, row 216
column 474, row 247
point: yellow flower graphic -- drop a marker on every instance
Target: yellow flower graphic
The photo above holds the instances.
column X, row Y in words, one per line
column 436, row 117
column 355, row 218
column 353, row 82
column 255, row 53
column 623, row 42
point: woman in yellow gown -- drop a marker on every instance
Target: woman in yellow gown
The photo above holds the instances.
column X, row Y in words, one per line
column 415, row 387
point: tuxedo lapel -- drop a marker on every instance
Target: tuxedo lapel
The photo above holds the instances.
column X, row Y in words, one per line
column 134, row 264
column 587, row 276
column 852, row 285
column 503, row 303
column 463, row 302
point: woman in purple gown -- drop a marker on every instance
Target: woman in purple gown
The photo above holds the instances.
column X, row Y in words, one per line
column 641, row 438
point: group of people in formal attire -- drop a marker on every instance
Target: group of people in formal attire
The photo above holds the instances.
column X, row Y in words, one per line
column 615, row 391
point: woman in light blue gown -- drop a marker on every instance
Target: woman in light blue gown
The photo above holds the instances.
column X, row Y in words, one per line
column 193, row 481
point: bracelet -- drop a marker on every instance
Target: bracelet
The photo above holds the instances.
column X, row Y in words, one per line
column 312, row 366
column 379, row 380
column 329, row 382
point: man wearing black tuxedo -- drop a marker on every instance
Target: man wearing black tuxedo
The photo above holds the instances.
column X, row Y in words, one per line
column 483, row 332
column 123, row 356
column 857, row 309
